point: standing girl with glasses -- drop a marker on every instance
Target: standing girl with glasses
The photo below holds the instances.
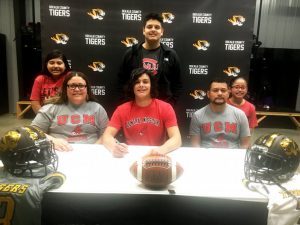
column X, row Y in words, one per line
column 239, row 89
column 75, row 117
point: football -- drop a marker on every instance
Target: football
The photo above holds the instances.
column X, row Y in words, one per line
column 156, row 171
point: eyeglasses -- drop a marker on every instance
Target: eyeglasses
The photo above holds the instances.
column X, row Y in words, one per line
column 74, row 86
column 239, row 87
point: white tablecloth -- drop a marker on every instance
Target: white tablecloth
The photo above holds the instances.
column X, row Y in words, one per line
column 213, row 173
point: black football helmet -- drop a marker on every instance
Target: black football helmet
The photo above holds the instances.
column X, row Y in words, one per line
column 273, row 158
column 26, row 152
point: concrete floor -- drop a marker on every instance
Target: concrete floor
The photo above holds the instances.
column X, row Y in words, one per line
column 8, row 121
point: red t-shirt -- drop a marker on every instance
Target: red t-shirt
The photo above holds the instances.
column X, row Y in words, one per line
column 45, row 87
column 249, row 110
column 144, row 125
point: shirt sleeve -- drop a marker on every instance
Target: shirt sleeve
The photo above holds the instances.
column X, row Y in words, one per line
column 194, row 126
column 116, row 120
column 175, row 79
column 36, row 89
column 43, row 118
column 102, row 120
column 170, row 116
column 252, row 117
column 125, row 71
column 244, row 125
column 52, row 181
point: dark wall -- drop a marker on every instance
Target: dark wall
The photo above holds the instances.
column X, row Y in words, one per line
column 31, row 57
column 274, row 78
column 28, row 45
column 3, row 76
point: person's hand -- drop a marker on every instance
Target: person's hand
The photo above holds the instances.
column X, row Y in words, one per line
column 61, row 145
column 119, row 150
column 51, row 99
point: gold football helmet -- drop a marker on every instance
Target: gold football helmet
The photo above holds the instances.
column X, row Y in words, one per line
column 273, row 158
column 26, row 152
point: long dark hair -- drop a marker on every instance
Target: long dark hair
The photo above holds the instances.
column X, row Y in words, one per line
column 64, row 97
column 135, row 74
column 53, row 55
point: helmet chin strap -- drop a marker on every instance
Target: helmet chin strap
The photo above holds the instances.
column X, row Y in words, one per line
column 264, row 186
column 258, row 187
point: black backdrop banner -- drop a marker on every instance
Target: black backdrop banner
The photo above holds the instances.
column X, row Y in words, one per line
column 211, row 37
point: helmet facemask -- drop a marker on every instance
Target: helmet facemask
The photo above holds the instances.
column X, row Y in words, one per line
column 270, row 160
column 32, row 154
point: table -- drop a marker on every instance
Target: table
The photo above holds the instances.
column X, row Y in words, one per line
column 294, row 116
column 100, row 190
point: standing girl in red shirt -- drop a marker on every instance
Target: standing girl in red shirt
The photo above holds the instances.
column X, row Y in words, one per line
column 47, row 85
column 239, row 89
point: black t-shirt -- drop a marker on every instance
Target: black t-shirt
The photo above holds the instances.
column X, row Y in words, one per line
column 150, row 59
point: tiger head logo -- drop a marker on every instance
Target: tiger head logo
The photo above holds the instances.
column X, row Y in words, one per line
column 232, row 71
column 168, row 17
column 237, row 20
column 198, row 94
column 97, row 66
column 129, row 41
column 96, row 14
column 201, row 45
column 60, row 38
column 290, row 147
column 10, row 140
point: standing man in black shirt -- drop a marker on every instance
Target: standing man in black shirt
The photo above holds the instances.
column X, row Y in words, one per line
column 155, row 56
